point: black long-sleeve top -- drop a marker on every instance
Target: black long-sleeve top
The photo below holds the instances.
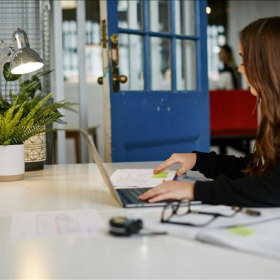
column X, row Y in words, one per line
column 230, row 186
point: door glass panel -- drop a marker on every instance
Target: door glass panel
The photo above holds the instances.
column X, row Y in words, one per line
column 131, row 61
column 130, row 14
column 186, row 65
column 185, row 17
column 159, row 16
column 160, row 64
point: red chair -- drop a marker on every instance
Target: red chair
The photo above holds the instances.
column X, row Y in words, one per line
column 233, row 119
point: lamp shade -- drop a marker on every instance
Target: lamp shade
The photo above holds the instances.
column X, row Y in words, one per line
column 24, row 59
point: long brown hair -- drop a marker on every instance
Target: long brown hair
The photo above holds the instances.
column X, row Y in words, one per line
column 260, row 42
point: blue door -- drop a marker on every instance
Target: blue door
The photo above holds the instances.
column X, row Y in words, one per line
column 157, row 87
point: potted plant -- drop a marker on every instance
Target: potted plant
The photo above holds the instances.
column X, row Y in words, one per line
column 29, row 96
column 16, row 129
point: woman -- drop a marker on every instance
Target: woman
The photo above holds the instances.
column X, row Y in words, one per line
column 229, row 78
column 252, row 181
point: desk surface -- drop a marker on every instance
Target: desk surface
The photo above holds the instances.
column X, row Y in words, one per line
column 73, row 187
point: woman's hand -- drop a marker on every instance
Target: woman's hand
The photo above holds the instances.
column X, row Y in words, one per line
column 186, row 162
column 176, row 190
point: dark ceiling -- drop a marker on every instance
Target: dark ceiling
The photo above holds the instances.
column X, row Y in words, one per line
column 219, row 12
column 92, row 12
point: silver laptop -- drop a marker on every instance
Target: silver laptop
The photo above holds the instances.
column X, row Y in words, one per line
column 126, row 197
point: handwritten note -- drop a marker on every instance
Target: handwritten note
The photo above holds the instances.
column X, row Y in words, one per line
column 56, row 224
column 140, row 177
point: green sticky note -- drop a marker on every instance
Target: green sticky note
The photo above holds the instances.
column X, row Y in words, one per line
column 242, row 231
column 161, row 175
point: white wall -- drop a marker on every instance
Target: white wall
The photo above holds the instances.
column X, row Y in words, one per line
column 95, row 110
column 95, row 115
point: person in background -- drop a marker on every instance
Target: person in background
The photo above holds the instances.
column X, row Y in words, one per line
column 229, row 78
column 250, row 181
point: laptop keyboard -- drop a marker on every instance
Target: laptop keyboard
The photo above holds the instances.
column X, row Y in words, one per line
column 132, row 195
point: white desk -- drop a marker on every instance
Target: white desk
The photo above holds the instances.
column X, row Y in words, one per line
column 72, row 187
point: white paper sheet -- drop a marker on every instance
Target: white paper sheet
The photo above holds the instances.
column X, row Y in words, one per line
column 260, row 238
column 56, row 224
column 140, row 177
column 254, row 234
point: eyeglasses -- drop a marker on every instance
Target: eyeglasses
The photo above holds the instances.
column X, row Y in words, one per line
column 183, row 208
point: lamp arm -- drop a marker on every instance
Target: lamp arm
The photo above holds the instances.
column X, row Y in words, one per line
column 5, row 53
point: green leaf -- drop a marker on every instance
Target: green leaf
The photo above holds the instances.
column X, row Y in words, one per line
column 41, row 74
column 7, row 73
column 31, row 86
column 7, row 142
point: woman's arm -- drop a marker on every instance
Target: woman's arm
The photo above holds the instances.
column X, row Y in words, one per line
column 255, row 191
column 212, row 165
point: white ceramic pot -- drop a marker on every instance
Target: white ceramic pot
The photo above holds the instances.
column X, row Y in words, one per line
column 11, row 163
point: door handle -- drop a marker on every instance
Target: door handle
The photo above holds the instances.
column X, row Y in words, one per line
column 121, row 79
column 100, row 80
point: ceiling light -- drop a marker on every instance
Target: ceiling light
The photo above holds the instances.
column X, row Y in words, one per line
column 68, row 4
